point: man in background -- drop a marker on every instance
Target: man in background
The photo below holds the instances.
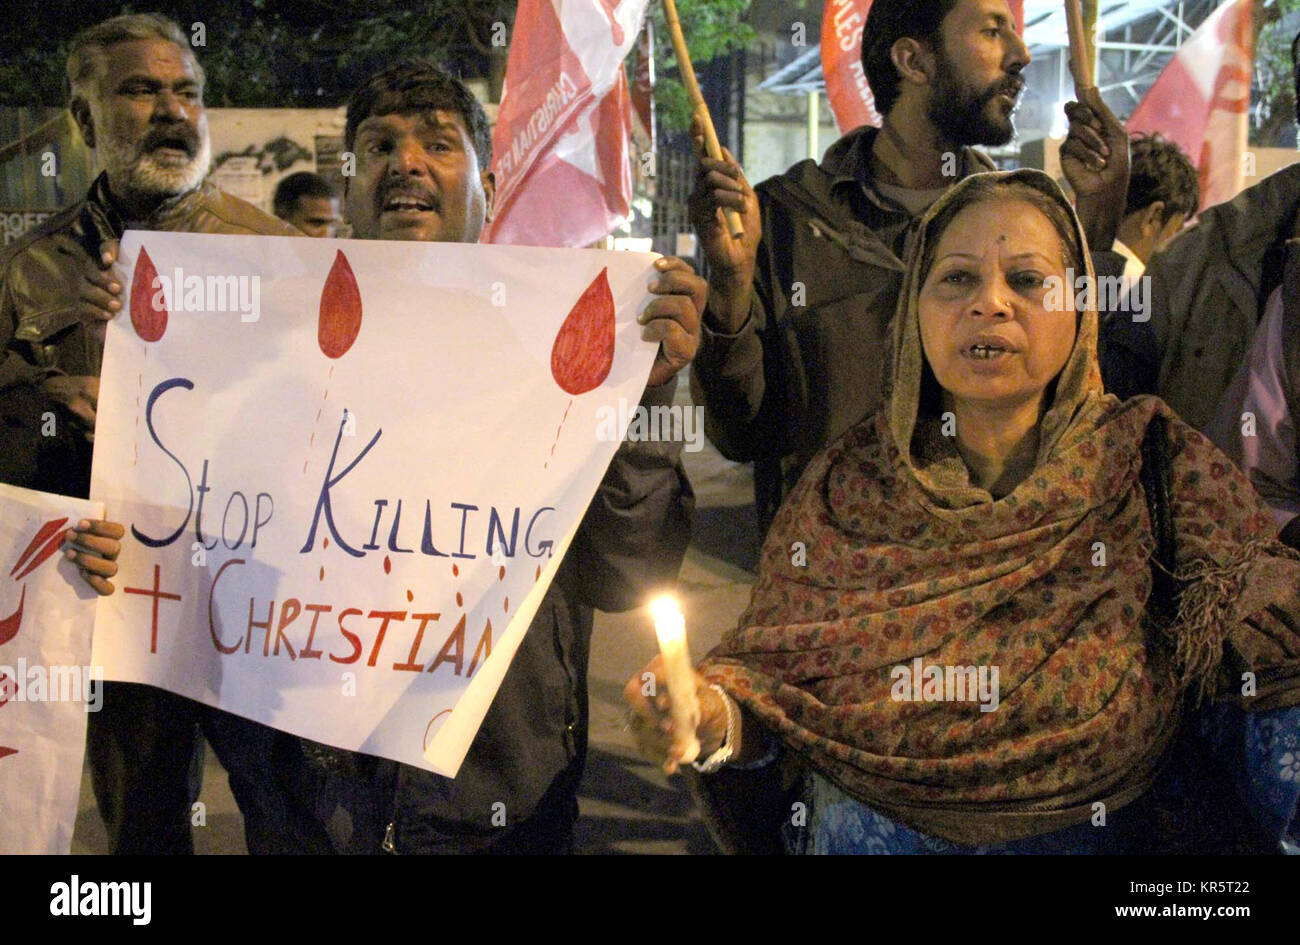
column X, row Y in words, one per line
column 1207, row 293
column 307, row 201
column 793, row 346
column 1164, row 192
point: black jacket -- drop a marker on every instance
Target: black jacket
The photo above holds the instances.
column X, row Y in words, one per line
column 529, row 755
column 810, row 360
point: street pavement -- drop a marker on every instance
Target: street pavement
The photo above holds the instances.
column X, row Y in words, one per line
column 627, row 805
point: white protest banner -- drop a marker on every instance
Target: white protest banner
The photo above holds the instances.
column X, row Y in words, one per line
column 348, row 469
column 47, row 679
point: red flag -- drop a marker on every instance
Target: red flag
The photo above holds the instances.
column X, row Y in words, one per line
column 846, row 81
column 1201, row 100
column 559, row 149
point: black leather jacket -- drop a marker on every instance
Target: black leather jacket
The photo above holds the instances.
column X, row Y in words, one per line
column 41, row 331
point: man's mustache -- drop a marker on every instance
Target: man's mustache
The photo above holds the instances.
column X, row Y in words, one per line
column 1012, row 86
column 171, row 136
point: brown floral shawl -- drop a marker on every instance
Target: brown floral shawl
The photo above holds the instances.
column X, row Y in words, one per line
column 906, row 558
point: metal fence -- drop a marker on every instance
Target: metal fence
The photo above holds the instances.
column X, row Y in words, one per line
column 674, row 176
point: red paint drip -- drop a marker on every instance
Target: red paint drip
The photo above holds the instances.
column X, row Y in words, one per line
column 551, row 454
column 135, row 452
column 409, row 596
column 455, row 571
column 501, row 573
column 388, row 565
column 149, row 322
column 340, row 309
column 326, row 543
column 8, row 689
column 322, row 573
column 506, row 606
column 460, row 601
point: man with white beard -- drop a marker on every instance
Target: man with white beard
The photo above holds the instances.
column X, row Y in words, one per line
column 136, row 92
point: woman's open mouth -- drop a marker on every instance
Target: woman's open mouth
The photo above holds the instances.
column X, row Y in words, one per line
column 986, row 352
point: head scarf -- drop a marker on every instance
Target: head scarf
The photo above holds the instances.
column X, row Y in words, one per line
column 886, row 553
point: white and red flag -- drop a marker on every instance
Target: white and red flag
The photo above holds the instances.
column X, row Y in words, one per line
column 1201, row 100
column 846, row 81
column 560, row 146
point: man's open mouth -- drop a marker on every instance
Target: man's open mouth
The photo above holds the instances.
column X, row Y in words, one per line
column 408, row 205
column 1011, row 93
column 173, row 146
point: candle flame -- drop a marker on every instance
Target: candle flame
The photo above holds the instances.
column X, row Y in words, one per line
column 664, row 609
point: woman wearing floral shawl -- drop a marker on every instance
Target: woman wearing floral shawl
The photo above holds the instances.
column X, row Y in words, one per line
column 960, row 629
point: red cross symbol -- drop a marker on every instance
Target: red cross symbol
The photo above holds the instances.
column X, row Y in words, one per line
column 157, row 595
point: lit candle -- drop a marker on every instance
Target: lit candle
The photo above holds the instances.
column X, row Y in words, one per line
column 670, row 628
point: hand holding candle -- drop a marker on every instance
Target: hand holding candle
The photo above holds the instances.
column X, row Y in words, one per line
column 670, row 628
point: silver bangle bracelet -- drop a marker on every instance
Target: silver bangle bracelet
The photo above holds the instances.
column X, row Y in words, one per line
column 720, row 757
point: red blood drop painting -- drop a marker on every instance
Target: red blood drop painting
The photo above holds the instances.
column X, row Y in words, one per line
column 583, row 351
column 340, row 309
column 148, row 321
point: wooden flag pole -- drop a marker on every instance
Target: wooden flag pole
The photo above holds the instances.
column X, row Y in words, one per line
column 698, row 107
column 1080, row 60
column 1089, row 10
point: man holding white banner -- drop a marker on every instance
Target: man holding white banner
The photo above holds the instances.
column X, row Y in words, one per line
column 137, row 97
column 423, row 153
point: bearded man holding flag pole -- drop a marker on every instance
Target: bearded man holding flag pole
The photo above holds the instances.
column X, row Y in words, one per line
column 793, row 336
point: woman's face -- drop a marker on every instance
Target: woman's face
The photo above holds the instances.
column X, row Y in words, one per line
column 992, row 332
